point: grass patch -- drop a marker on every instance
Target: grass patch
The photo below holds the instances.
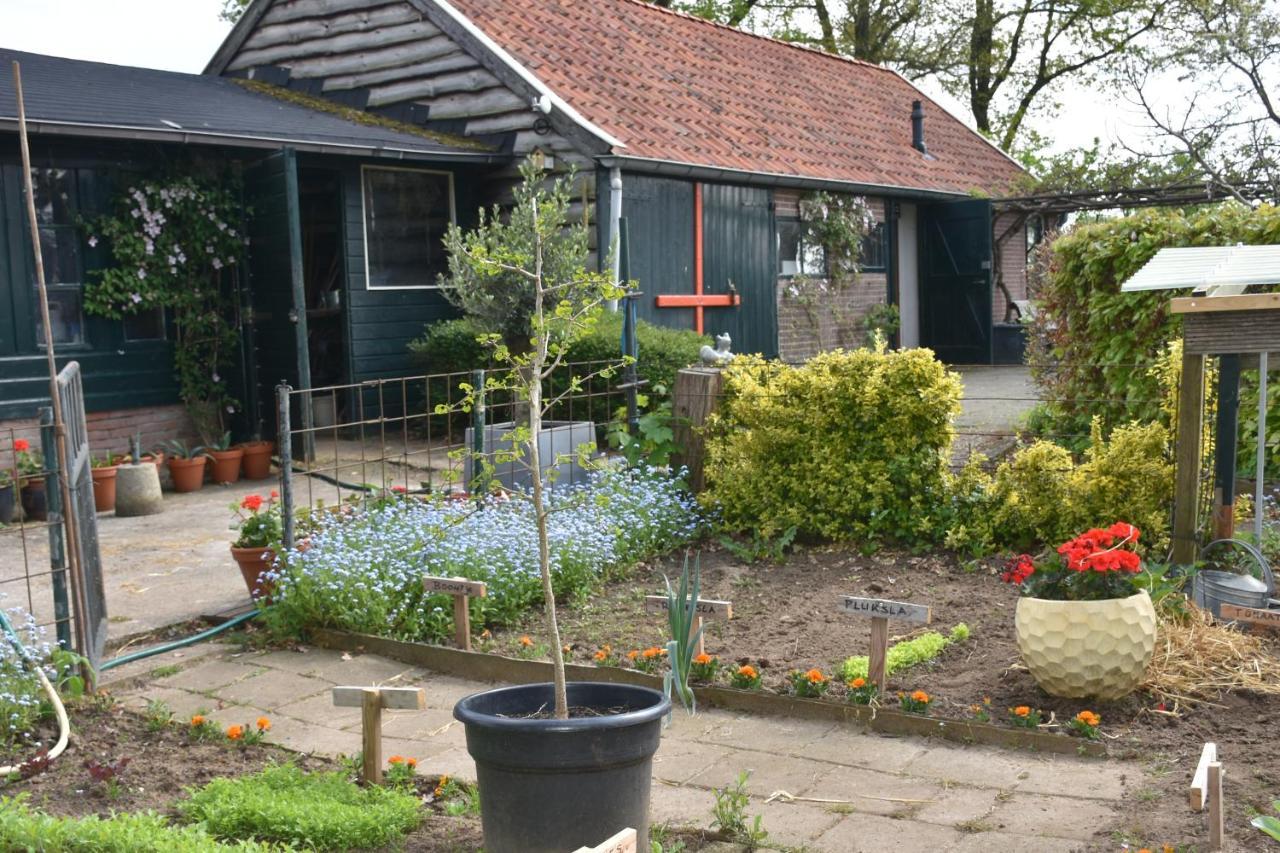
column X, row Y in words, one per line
column 24, row 829
column 322, row 811
column 166, row 671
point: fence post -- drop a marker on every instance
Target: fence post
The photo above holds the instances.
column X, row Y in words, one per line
column 57, row 542
column 1225, row 438
column 478, row 418
column 1187, row 473
column 285, row 443
column 630, row 345
column 696, row 397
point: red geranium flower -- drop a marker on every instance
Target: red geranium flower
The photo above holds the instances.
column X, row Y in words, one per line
column 21, row 445
column 252, row 503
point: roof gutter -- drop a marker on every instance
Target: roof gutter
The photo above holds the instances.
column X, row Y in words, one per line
column 526, row 75
column 203, row 137
column 693, row 171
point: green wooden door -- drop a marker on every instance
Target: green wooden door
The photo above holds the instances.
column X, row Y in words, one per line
column 659, row 214
column 740, row 252
column 276, row 331
column 955, row 281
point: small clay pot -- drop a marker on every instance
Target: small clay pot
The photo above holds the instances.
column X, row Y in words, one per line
column 257, row 459
column 187, row 474
column 104, row 488
column 253, row 562
column 35, row 502
column 226, row 465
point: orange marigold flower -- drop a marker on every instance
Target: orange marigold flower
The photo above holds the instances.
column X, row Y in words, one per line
column 235, row 732
column 702, row 659
column 858, row 683
column 920, row 696
column 815, row 676
column 747, row 671
column 526, row 641
column 396, row 759
column 1022, row 711
column 601, row 655
column 486, row 634
column 652, row 652
column 198, row 720
column 412, row 762
column 633, row 654
column 264, row 724
column 1089, row 718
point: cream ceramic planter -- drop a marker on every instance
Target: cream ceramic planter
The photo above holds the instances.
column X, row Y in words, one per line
column 1076, row 649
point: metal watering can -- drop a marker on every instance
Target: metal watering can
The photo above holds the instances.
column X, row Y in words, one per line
column 1213, row 588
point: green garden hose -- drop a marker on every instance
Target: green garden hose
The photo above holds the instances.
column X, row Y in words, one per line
column 178, row 644
column 64, row 725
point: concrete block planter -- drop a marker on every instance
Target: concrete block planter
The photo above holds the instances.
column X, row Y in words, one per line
column 558, row 438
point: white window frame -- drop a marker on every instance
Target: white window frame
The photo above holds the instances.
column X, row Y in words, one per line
column 364, row 221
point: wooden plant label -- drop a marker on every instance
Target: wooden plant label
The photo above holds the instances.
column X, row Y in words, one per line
column 1266, row 620
column 705, row 609
column 461, row 589
column 371, row 701
column 880, row 612
column 623, row 842
column 1200, row 780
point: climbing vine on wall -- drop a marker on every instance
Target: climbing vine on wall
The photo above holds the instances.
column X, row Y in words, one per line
column 172, row 243
column 839, row 224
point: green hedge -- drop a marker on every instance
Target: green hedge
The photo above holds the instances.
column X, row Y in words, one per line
column 850, row 445
column 1091, row 348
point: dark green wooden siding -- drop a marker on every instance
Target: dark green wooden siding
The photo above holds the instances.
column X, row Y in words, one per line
column 739, row 247
column 659, row 214
column 118, row 373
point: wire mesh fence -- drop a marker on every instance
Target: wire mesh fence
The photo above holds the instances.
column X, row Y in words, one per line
column 424, row 434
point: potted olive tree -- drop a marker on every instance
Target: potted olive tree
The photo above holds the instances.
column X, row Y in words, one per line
column 559, row 765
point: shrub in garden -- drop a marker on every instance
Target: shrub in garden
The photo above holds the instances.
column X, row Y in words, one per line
column 322, row 811
column 1091, row 347
column 1085, row 724
column 849, row 445
column 1024, row 716
column 860, row 692
column 364, row 573
column 704, row 667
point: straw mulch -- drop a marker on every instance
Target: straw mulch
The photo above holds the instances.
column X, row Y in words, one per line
column 1197, row 660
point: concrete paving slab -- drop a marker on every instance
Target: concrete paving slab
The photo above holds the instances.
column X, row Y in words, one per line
column 794, row 824
column 1051, row 817
column 212, row 675
column 183, row 703
column 431, row 724
column 984, row 768
column 872, row 792
column 680, row 760
column 271, row 688
column 352, row 670
column 768, row 773
column 956, row 806
column 865, row 833
column 1003, row 842
column 319, row 709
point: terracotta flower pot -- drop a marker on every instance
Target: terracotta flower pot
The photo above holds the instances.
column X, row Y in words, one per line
column 1076, row 649
column 257, row 459
column 187, row 474
column 35, row 502
column 253, row 562
column 226, row 465
column 104, row 488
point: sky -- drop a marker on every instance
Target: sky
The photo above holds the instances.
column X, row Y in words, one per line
column 181, row 35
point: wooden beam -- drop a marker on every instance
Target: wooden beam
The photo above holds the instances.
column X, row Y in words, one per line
column 696, row 397
column 1200, row 779
column 711, row 610
column 371, row 735
column 1217, row 830
column 1187, row 472
column 884, row 609
column 392, row 698
column 1211, row 304
column 693, row 300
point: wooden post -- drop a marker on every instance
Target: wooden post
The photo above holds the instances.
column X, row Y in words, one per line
column 1200, row 779
column 1187, row 482
column 881, row 611
column 1216, row 827
column 371, row 735
column 1224, row 447
column 371, row 701
column 696, row 397
column 706, row 608
column 462, row 591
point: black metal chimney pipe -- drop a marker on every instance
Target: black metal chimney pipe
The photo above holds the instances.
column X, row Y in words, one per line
column 917, row 127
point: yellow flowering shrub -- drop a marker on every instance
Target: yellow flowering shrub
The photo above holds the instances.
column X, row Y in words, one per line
column 850, row 445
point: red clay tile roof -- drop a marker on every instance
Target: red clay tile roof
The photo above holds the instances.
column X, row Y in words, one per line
column 674, row 87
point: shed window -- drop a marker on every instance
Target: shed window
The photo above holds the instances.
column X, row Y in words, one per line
column 56, row 201
column 795, row 257
column 406, row 213
column 875, row 249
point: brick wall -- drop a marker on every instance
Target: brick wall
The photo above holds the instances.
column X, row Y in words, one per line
column 835, row 320
column 1012, row 266
column 112, row 431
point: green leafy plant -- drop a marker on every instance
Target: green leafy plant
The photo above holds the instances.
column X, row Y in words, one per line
column 171, row 243
column 401, row 772
column 458, row 798
column 861, row 691
column 258, row 523
column 682, row 613
column 745, row 677
column 158, row 715
column 809, row 684
column 203, row 728
column 21, row 828
column 647, row 660
column 915, row 702
column 758, row 547
column 1268, row 824
column 321, row 811
column 908, row 653
column 729, row 814
column 1086, row 725
column 882, row 320
column 653, row 442
column 179, row 449
column 1024, row 716
column 704, row 667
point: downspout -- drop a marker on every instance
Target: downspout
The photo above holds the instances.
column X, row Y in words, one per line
column 892, row 210
column 615, row 215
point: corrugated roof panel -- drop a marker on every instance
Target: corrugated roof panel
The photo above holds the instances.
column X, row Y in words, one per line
column 1202, row 267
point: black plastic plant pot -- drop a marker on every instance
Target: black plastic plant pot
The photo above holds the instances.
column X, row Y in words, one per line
column 551, row 786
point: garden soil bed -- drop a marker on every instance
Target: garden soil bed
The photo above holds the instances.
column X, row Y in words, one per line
column 163, row 763
column 786, row 617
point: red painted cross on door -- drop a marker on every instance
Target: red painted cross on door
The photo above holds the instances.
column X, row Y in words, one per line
column 698, row 300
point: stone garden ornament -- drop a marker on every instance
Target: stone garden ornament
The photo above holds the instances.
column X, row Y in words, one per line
column 719, row 356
